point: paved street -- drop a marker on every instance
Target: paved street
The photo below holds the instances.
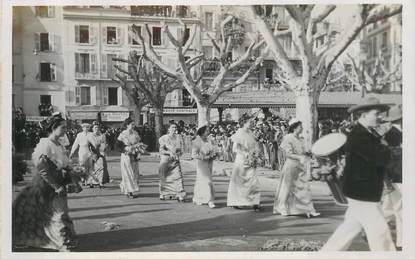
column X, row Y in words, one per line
column 148, row 224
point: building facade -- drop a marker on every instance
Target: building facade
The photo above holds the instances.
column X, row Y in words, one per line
column 38, row 63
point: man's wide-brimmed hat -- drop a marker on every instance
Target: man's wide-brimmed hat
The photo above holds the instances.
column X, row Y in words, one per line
column 84, row 124
column 328, row 144
column 394, row 114
column 369, row 103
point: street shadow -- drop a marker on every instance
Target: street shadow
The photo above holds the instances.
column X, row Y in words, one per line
column 94, row 196
column 112, row 206
column 116, row 215
column 239, row 224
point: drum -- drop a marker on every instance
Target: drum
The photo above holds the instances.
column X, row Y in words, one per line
column 326, row 148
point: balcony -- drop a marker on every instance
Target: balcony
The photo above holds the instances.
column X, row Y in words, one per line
column 211, row 68
column 180, row 11
column 86, row 76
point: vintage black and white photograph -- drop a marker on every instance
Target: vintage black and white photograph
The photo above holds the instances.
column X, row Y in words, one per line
column 206, row 128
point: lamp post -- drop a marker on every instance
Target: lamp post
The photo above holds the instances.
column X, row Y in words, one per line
column 363, row 55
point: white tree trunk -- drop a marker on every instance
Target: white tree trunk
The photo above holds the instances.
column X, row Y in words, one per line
column 203, row 114
column 306, row 112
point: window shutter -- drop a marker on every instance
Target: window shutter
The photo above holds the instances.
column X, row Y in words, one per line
column 119, row 96
column 51, row 42
column 93, row 95
column 37, row 41
column 179, row 34
column 120, row 36
column 105, row 95
column 53, row 72
column 77, row 61
column 56, row 43
column 51, row 11
column 92, row 34
column 104, row 65
column 38, row 72
column 130, row 38
column 104, row 35
column 77, row 95
column 94, row 69
column 76, row 33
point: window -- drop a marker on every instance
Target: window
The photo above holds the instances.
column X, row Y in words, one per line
column 230, row 58
column 112, row 35
column 374, row 47
column 186, row 36
column 83, row 95
column 156, row 36
column 47, row 72
column 269, row 74
column 209, row 21
column 44, row 41
column 45, row 99
column 82, row 63
column 45, row 11
column 208, row 51
column 319, row 41
column 187, row 98
column 135, row 31
column 82, row 33
column 384, row 39
column 111, row 69
column 112, row 96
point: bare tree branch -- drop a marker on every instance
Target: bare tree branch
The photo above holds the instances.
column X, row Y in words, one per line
column 243, row 58
column 280, row 56
column 355, row 29
column 215, row 44
column 190, row 39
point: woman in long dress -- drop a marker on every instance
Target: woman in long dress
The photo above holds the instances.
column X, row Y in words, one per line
column 204, row 153
column 83, row 140
column 130, row 146
column 99, row 171
column 40, row 212
column 244, row 183
column 293, row 195
column 170, row 172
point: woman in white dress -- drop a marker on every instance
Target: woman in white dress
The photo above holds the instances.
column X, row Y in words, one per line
column 83, row 140
column 204, row 153
column 293, row 195
column 99, row 172
column 170, row 171
column 244, row 183
column 130, row 146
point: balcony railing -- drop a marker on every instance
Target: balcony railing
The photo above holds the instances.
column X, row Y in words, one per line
column 211, row 68
column 79, row 75
column 162, row 11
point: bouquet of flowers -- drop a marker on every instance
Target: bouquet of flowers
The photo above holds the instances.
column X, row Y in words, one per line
column 253, row 159
column 137, row 149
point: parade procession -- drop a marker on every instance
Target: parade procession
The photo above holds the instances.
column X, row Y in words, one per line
column 172, row 128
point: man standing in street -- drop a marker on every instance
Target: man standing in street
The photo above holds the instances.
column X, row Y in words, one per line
column 366, row 160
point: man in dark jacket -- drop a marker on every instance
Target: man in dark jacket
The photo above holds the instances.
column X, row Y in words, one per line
column 366, row 160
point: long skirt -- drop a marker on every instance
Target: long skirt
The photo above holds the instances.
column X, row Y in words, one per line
column 40, row 218
column 293, row 195
column 281, row 158
column 99, row 173
column 267, row 156
column 244, row 185
column 203, row 190
column 171, row 178
column 273, row 156
column 129, row 174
